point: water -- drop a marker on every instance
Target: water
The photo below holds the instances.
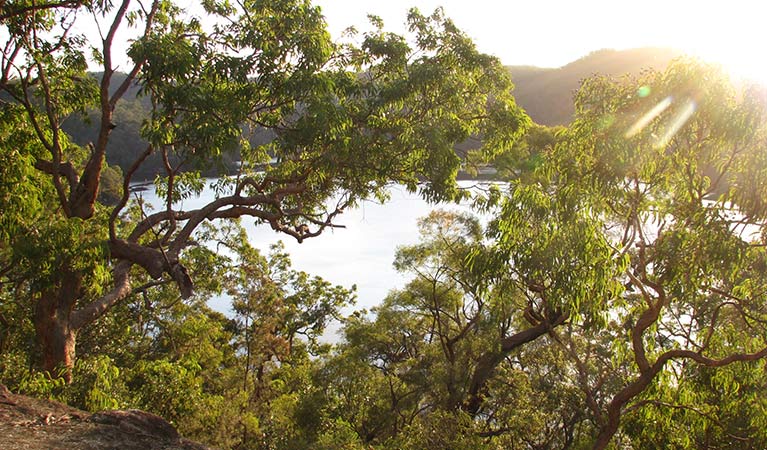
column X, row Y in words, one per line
column 360, row 254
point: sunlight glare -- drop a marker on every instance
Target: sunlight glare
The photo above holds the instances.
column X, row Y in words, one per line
column 737, row 42
column 747, row 66
column 684, row 115
column 648, row 117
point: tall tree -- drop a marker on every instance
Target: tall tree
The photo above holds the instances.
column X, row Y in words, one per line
column 668, row 167
column 346, row 121
column 460, row 342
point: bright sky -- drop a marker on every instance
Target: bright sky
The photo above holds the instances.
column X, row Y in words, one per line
column 551, row 33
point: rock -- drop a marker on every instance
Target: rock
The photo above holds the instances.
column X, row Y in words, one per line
column 34, row 424
column 138, row 422
column 5, row 396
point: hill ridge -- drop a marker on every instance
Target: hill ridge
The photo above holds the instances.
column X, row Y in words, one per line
column 547, row 93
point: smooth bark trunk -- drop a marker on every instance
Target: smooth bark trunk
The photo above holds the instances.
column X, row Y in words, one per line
column 57, row 321
column 53, row 313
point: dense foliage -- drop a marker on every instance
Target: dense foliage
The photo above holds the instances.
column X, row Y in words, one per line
column 343, row 121
column 611, row 295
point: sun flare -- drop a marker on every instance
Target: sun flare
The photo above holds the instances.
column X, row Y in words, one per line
column 731, row 34
column 741, row 62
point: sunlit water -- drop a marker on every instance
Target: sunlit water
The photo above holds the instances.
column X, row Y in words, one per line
column 360, row 254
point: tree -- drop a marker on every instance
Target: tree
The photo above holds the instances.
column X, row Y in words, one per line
column 462, row 343
column 625, row 272
column 667, row 168
column 530, row 152
column 235, row 381
column 346, row 121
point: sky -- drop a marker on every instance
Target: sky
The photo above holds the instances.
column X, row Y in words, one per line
column 549, row 33
column 552, row 33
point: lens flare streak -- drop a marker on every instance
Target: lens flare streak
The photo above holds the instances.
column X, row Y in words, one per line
column 684, row 115
column 648, row 117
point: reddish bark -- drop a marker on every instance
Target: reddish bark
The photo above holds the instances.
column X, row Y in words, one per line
column 57, row 337
column 57, row 321
column 615, row 408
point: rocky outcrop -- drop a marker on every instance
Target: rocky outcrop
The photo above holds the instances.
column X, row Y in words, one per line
column 31, row 424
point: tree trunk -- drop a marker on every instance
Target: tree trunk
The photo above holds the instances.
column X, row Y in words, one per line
column 621, row 399
column 57, row 335
column 57, row 339
column 488, row 362
column 606, row 433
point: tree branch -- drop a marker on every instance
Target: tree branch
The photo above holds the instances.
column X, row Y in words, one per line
column 489, row 361
column 98, row 308
column 126, row 190
column 12, row 12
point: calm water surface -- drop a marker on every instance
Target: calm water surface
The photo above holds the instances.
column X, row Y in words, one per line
column 361, row 254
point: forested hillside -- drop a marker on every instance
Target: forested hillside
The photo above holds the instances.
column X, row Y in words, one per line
column 547, row 94
column 608, row 293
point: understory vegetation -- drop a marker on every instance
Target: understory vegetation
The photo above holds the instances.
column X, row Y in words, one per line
column 612, row 295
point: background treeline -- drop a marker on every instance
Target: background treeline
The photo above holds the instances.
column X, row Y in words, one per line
column 614, row 297
column 545, row 94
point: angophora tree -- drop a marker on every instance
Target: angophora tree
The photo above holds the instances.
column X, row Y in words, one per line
column 670, row 168
column 346, row 120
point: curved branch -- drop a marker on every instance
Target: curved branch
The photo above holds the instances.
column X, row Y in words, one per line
column 636, row 387
column 489, row 361
column 645, row 321
column 211, row 211
column 120, row 91
column 98, row 308
column 64, row 168
column 150, row 259
column 83, row 197
column 126, row 190
column 706, row 361
column 155, row 262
